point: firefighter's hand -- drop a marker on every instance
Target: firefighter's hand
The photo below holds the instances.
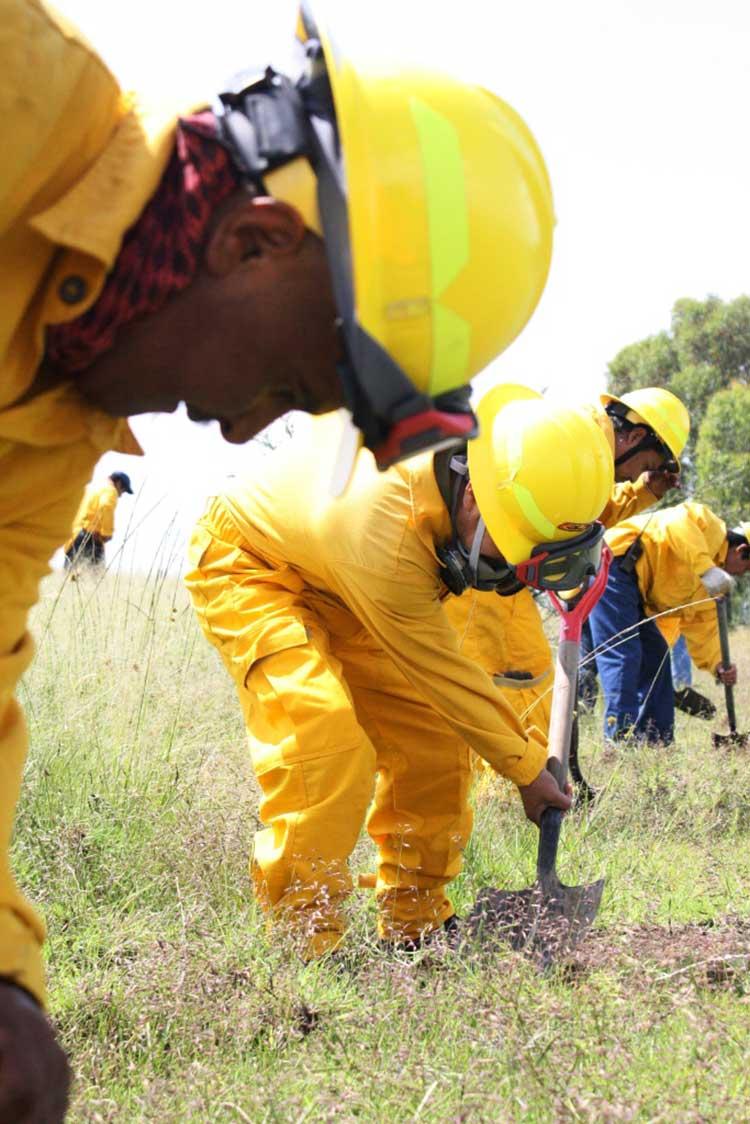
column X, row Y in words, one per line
column 34, row 1073
column 727, row 675
column 543, row 793
column 659, row 481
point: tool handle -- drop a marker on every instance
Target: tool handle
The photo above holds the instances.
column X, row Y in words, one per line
column 549, row 837
column 726, row 659
column 563, row 705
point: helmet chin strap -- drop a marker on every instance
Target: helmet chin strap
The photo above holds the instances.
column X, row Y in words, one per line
column 476, row 547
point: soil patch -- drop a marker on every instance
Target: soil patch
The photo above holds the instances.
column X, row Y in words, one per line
column 711, row 954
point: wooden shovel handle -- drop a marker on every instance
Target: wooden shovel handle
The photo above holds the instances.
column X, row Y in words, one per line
column 563, row 705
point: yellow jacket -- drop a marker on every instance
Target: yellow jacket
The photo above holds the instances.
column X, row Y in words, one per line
column 679, row 544
column 96, row 513
column 368, row 559
column 79, row 161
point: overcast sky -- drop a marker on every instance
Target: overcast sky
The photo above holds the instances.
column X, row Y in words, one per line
column 640, row 109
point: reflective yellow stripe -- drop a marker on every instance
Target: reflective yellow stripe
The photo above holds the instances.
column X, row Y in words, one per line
column 448, row 234
column 679, row 436
column 533, row 514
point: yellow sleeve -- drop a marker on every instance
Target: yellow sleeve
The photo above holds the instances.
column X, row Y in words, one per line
column 407, row 620
column 701, row 631
column 627, row 499
column 39, row 490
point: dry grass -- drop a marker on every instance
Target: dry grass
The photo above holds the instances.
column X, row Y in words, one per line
column 177, row 1005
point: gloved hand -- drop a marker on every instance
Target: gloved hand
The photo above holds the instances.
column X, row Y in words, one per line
column 717, row 582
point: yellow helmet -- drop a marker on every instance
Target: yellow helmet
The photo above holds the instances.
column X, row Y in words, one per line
column 436, row 210
column 540, row 472
column 659, row 410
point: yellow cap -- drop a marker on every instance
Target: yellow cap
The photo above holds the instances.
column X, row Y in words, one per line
column 540, row 472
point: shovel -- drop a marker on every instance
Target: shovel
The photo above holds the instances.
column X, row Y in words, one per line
column 549, row 918
column 585, row 794
column 733, row 739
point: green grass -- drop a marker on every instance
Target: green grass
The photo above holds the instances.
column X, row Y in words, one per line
column 177, row 1005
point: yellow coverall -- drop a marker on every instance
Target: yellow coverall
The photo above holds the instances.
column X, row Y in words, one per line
column 505, row 633
column 679, row 544
column 96, row 513
column 329, row 616
column 79, row 162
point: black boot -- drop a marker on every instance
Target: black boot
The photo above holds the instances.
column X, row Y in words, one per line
column 449, row 933
column 693, row 703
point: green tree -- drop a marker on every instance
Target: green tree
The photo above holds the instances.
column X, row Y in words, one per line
column 705, row 352
column 695, row 385
column 650, row 362
column 722, row 461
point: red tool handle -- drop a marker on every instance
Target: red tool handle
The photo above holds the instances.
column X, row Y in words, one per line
column 573, row 613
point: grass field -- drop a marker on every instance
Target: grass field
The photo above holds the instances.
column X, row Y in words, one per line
column 176, row 1005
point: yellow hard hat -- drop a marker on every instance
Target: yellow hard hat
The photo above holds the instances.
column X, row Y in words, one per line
column 436, row 209
column 660, row 410
column 540, row 472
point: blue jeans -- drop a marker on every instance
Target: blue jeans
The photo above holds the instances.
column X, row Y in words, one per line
column 634, row 669
column 682, row 668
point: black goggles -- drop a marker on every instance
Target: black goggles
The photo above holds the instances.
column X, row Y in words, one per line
column 564, row 565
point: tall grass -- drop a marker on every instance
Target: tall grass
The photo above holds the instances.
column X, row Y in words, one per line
column 178, row 1005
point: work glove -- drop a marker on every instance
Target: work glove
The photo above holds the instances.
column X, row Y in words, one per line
column 717, row 582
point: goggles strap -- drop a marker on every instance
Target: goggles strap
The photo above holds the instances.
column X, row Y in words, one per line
column 476, row 547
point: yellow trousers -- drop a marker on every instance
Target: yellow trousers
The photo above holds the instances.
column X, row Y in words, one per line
column 39, row 490
column 338, row 738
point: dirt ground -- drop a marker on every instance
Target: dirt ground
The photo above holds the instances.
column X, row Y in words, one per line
column 712, row 954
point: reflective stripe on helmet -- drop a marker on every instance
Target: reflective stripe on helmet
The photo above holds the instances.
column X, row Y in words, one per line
column 533, row 513
column 448, row 236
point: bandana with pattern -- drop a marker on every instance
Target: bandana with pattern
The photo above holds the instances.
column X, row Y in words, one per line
column 160, row 252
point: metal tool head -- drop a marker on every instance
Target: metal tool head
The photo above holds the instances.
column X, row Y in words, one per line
column 548, row 919
column 731, row 741
column 544, row 923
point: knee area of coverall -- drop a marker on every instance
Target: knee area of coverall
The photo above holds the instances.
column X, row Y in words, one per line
column 316, row 769
column 313, row 811
column 421, row 822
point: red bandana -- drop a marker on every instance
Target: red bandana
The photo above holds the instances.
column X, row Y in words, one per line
column 160, row 252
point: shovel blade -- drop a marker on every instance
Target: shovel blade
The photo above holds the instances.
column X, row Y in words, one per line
column 546, row 922
column 731, row 741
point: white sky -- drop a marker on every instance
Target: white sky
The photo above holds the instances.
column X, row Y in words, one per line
column 639, row 106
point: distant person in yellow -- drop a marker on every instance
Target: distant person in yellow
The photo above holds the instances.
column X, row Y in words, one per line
column 94, row 524
column 330, row 617
column 673, row 561
column 646, row 431
column 333, row 237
